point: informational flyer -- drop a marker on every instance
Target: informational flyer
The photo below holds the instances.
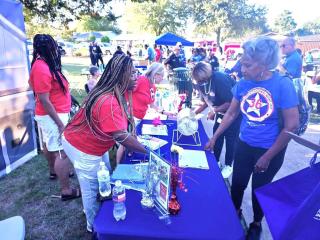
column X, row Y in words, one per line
column 160, row 171
column 149, row 129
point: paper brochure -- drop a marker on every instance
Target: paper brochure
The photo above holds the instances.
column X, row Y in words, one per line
column 193, row 159
column 149, row 129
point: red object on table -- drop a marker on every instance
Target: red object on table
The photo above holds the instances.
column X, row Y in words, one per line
column 156, row 121
column 174, row 206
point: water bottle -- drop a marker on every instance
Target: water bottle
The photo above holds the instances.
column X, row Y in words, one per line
column 158, row 99
column 119, row 198
column 104, row 180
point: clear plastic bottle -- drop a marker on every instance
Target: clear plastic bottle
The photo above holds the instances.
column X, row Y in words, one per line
column 119, row 198
column 104, row 180
column 158, row 99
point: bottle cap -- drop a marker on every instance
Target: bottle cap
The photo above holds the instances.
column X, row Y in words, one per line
column 118, row 183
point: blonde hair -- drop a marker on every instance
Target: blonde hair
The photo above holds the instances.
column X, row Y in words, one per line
column 155, row 68
column 202, row 71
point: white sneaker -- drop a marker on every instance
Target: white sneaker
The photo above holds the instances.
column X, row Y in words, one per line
column 226, row 171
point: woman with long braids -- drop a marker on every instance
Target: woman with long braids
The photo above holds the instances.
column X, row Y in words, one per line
column 143, row 96
column 100, row 123
column 53, row 103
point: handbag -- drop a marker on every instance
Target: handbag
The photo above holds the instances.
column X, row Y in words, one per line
column 292, row 204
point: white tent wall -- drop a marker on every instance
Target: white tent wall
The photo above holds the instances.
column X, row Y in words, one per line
column 17, row 131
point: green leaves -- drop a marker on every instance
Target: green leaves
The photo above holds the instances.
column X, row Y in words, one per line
column 228, row 17
column 285, row 23
column 158, row 16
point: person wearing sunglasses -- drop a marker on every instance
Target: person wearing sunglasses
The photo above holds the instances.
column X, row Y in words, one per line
column 291, row 64
column 215, row 88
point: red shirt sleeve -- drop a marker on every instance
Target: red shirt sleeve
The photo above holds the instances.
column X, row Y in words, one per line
column 111, row 117
column 142, row 92
column 41, row 77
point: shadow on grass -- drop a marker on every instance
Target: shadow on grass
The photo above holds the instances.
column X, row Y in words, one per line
column 27, row 192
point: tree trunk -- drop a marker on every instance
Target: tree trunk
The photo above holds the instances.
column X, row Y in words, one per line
column 218, row 32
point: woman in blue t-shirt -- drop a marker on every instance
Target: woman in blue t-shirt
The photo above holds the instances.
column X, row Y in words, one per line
column 261, row 96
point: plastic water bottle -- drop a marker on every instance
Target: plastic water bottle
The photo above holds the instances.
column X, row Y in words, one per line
column 119, row 198
column 104, row 180
column 158, row 100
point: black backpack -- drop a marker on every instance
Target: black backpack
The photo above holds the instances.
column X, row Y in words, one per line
column 303, row 106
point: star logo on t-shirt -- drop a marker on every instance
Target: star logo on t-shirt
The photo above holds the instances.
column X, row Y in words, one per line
column 257, row 104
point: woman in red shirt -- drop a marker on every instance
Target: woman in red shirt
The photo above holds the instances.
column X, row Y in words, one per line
column 53, row 103
column 143, row 96
column 100, row 123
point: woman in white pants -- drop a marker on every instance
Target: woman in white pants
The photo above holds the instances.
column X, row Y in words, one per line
column 101, row 122
column 53, row 103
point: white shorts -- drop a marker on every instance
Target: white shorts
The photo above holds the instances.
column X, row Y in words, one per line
column 50, row 132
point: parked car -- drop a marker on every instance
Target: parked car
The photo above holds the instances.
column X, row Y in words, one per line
column 66, row 48
column 61, row 51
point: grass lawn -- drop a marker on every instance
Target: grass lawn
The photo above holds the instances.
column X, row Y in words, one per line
column 27, row 192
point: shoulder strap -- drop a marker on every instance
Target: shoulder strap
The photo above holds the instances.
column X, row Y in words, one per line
column 314, row 159
column 279, row 112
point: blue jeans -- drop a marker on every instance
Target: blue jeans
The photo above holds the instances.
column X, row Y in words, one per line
column 86, row 167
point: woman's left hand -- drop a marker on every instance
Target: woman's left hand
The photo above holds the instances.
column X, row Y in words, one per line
column 261, row 165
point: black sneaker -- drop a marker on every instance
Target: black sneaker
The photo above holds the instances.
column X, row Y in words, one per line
column 254, row 231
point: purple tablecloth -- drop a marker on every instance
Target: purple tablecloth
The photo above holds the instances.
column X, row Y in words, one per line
column 206, row 208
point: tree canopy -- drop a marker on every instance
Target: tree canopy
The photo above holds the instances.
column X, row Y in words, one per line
column 228, row 18
column 157, row 17
column 66, row 11
column 285, row 22
column 309, row 28
column 87, row 23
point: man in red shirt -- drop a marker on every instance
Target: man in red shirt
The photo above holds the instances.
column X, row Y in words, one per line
column 100, row 123
column 53, row 103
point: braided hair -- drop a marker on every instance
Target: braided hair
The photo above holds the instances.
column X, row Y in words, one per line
column 115, row 80
column 46, row 48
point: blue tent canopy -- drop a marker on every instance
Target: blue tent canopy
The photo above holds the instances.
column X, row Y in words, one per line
column 171, row 39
